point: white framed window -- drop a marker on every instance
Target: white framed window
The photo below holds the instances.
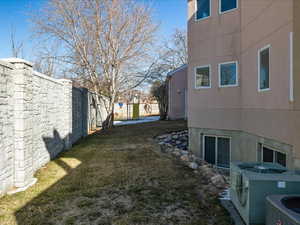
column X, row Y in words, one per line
column 264, row 68
column 203, row 9
column 271, row 155
column 202, row 77
column 217, row 150
column 228, row 5
column 228, row 74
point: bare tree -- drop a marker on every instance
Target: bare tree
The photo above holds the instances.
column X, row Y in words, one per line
column 159, row 90
column 172, row 54
column 46, row 60
column 175, row 49
column 104, row 41
column 16, row 47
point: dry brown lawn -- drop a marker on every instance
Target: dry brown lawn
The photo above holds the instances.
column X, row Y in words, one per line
column 114, row 177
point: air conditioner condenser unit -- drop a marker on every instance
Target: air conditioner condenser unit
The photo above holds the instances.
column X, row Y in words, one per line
column 251, row 183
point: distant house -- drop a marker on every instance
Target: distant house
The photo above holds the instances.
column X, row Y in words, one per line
column 244, row 81
column 177, row 83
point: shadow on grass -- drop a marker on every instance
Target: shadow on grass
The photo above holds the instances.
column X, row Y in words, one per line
column 60, row 180
column 114, row 178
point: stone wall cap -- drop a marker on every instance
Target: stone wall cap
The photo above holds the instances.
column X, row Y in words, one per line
column 43, row 76
column 66, row 80
column 6, row 64
column 17, row 60
column 177, row 70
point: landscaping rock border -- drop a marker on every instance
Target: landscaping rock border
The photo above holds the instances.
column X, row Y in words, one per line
column 176, row 144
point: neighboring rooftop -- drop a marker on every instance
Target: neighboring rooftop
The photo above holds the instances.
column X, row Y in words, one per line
column 176, row 70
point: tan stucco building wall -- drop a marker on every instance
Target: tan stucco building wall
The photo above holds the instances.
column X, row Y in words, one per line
column 177, row 84
column 245, row 114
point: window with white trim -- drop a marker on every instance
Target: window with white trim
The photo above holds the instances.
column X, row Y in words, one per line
column 267, row 154
column 228, row 74
column 203, row 8
column 216, row 150
column 202, row 77
column 227, row 5
column 264, row 68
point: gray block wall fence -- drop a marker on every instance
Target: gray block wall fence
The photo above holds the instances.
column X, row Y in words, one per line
column 39, row 117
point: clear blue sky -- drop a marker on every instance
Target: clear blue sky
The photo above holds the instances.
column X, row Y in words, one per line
column 170, row 13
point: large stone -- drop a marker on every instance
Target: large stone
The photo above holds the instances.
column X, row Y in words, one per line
column 184, row 143
column 184, row 158
column 169, row 145
column 193, row 165
column 176, row 153
column 175, row 136
column 163, row 148
column 207, row 171
column 185, row 138
column 163, row 136
column 178, row 142
column 168, row 139
column 177, row 149
column 184, row 152
column 218, row 180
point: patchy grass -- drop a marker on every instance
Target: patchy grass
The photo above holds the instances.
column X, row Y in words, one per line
column 115, row 178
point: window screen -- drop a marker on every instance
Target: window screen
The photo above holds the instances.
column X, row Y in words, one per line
column 268, row 155
column 228, row 74
column 202, row 77
column 223, row 152
column 203, row 9
column 210, row 149
column 227, row 5
column 280, row 158
column 272, row 156
column 264, row 69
